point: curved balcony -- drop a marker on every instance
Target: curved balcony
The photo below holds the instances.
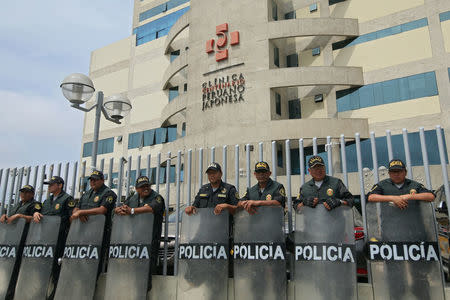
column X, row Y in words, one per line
column 172, row 108
column 311, row 76
column 313, row 27
column 176, row 66
column 181, row 24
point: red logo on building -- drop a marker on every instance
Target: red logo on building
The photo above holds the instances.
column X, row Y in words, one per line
column 221, row 31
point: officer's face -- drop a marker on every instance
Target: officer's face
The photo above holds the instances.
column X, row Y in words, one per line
column 144, row 191
column 54, row 187
column 96, row 183
column 26, row 196
column 214, row 176
column 317, row 172
column 262, row 176
column 397, row 176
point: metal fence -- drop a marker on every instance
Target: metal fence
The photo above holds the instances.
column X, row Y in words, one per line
column 188, row 179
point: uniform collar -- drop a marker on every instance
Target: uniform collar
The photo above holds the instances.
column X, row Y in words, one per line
column 221, row 185
column 406, row 182
column 101, row 189
column 52, row 197
column 269, row 183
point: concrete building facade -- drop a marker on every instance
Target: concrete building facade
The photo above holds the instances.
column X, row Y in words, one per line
column 204, row 74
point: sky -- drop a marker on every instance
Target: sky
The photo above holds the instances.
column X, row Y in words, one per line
column 41, row 42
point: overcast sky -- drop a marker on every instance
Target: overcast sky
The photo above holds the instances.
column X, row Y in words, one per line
column 40, row 43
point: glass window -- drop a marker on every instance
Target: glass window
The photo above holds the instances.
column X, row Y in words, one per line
column 183, row 129
column 292, row 60
column 295, row 109
column 290, row 15
column 152, row 12
column 185, row 87
column 135, row 140
column 172, row 133
column 173, row 93
column 313, row 7
column 278, row 104
column 316, row 51
column 276, row 56
column 274, row 11
column 161, row 135
column 174, row 54
column 149, row 137
column 104, row 146
column 87, row 149
column 444, row 16
column 174, row 3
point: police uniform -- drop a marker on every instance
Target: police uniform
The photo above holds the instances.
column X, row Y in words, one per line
column 25, row 208
column 61, row 205
column 331, row 187
column 208, row 197
column 156, row 202
column 387, row 187
column 273, row 190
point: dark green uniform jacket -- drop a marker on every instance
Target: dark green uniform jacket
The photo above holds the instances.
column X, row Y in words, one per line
column 61, row 205
column 206, row 197
column 156, row 202
column 387, row 187
column 331, row 187
column 103, row 197
column 26, row 208
column 273, row 191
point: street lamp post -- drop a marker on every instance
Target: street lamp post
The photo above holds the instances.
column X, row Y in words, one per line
column 78, row 89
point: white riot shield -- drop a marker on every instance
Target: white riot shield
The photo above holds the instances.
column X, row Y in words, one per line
column 403, row 251
column 259, row 253
column 203, row 256
column 325, row 258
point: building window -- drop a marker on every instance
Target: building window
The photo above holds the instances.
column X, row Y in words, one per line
column 160, row 9
column 185, row 87
column 171, row 133
column 276, row 56
column 280, row 156
column 278, row 104
column 331, row 2
column 316, row 51
column 295, row 109
column 292, row 60
column 174, row 54
column 157, row 28
column 183, row 129
column 161, row 135
column 174, row 3
column 313, row 7
column 381, row 34
column 274, row 11
column 104, row 146
column 445, row 16
column 173, row 93
column 152, row 137
column 395, row 90
column 290, row 15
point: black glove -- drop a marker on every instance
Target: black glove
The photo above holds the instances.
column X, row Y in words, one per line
column 309, row 202
column 333, row 202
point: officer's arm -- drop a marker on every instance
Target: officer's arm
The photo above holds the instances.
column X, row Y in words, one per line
column 197, row 199
column 344, row 195
column 429, row 196
column 143, row 209
column 297, row 200
column 376, row 194
column 268, row 203
column 279, row 196
column 101, row 210
column 28, row 219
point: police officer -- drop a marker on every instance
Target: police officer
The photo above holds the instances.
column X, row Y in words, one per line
column 24, row 208
column 329, row 190
column 146, row 200
column 399, row 189
column 99, row 200
column 58, row 204
column 216, row 193
column 265, row 193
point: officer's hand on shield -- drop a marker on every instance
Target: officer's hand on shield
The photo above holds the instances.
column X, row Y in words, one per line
column 12, row 218
column 3, row 218
column 37, row 217
column 400, row 201
column 251, row 206
column 310, row 201
column 331, row 203
column 219, row 208
column 190, row 210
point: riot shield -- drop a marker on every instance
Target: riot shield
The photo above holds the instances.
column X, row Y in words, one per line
column 11, row 242
column 81, row 258
column 38, row 257
column 203, row 256
column 259, row 252
column 403, row 251
column 129, row 257
column 325, row 258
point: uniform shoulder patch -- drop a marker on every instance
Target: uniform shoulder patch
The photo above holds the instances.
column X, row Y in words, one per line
column 110, row 199
column 37, row 206
column 237, row 195
column 159, row 199
column 71, row 203
column 282, row 192
column 374, row 187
